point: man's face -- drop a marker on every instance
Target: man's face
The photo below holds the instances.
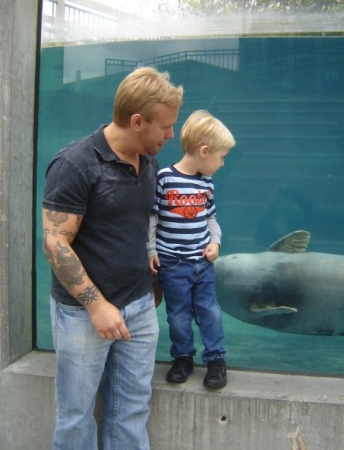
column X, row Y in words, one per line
column 156, row 133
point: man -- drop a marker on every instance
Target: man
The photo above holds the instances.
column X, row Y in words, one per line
column 96, row 205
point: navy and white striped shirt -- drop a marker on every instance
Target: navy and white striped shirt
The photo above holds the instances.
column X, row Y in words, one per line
column 183, row 205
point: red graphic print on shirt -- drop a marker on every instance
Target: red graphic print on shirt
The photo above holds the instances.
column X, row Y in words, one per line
column 187, row 205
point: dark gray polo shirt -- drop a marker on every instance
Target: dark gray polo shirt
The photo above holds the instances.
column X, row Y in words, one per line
column 87, row 178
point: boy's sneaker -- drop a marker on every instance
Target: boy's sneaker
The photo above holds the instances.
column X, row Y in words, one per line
column 181, row 368
column 216, row 376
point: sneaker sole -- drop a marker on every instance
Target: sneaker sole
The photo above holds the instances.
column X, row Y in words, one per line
column 215, row 386
column 210, row 386
column 180, row 381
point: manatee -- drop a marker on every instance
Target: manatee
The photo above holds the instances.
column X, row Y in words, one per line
column 284, row 288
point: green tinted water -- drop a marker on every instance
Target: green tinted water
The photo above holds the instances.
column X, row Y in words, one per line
column 283, row 100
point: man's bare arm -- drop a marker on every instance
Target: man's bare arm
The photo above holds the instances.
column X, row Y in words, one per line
column 59, row 231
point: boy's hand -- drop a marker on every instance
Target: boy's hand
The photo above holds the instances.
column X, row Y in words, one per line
column 211, row 252
column 153, row 263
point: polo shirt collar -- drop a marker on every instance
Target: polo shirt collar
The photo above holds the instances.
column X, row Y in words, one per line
column 101, row 146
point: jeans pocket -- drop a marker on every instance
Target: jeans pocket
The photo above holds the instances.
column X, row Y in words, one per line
column 70, row 310
column 168, row 263
column 169, row 267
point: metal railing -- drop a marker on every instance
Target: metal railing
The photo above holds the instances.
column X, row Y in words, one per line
column 227, row 59
column 283, row 76
column 73, row 18
column 117, row 66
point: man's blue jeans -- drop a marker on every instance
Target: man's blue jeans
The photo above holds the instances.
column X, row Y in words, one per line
column 189, row 292
column 124, row 368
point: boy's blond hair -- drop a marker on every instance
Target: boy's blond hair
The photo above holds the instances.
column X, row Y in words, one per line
column 202, row 128
column 141, row 91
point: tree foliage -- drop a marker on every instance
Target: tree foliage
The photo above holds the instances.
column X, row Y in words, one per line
column 219, row 7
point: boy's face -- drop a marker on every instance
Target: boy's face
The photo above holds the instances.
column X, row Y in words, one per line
column 212, row 161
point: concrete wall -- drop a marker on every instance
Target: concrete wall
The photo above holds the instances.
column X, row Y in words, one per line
column 255, row 411
column 18, row 36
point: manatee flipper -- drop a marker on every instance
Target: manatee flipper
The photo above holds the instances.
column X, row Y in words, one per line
column 295, row 242
column 272, row 310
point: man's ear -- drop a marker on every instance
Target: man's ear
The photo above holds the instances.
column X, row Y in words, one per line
column 203, row 151
column 136, row 122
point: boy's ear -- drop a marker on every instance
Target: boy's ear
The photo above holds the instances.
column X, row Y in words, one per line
column 203, row 151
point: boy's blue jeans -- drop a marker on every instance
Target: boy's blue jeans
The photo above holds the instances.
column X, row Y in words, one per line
column 189, row 292
column 125, row 369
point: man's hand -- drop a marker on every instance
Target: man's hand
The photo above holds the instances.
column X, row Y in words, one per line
column 108, row 321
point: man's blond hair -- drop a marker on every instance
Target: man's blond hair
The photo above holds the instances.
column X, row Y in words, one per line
column 141, row 91
column 202, row 128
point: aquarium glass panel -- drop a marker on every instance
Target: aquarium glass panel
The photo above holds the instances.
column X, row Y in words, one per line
column 274, row 75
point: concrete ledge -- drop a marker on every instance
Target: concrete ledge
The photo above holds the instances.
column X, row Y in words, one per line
column 34, row 364
column 27, row 403
column 255, row 411
column 262, row 385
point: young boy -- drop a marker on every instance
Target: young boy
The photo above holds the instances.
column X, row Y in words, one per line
column 184, row 241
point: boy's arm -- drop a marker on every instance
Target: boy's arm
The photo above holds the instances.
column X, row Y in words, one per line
column 214, row 230
column 153, row 259
column 151, row 244
column 211, row 252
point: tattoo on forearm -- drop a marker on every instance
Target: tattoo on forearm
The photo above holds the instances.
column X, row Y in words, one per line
column 88, row 295
column 68, row 234
column 65, row 264
column 67, row 267
column 56, row 217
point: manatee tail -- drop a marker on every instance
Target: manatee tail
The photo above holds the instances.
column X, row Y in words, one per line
column 295, row 242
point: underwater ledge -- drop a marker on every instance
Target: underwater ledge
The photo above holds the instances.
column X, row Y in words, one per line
column 255, row 411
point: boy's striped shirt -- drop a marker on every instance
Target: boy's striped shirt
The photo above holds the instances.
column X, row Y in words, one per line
column 183, row 205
